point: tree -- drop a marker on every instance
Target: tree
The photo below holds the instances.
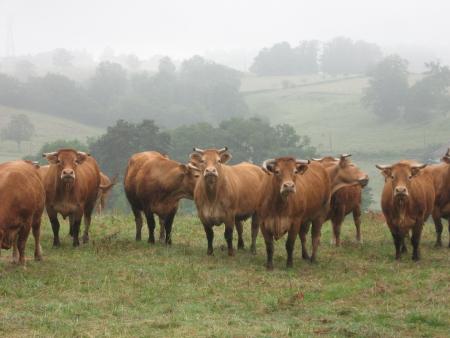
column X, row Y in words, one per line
column 109, row 83
column 62, row 58
column 19, row 129
column 343, row 56
column 388, row 87
column 430, row 94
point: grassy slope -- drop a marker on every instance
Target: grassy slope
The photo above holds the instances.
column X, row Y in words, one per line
column 48, row 128
column 115, row 286
column 332, row 115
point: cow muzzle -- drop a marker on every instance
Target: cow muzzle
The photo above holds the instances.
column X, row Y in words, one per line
column 212, row 171
column 68, row 175
column 364, row 181
column 287, row 188
column 401, row 192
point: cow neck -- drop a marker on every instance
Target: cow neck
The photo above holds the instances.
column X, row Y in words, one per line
column 175, row 190
column 64, row 189
column 399, row 209
column 332, row 172
column 276, row 201
column 211, row 191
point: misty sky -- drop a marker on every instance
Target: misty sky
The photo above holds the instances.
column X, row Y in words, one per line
column 181, row 28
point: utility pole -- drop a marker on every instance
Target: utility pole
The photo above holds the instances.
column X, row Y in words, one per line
column 9, row 48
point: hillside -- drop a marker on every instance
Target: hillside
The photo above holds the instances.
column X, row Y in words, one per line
column 329, row 110
column 47, row 128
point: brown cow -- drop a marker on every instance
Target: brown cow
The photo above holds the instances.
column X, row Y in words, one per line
column 154, row 184
column 226, row 194
column 282, row 203
column 407, row 201
column 343, row 201
column 441, row 179
column 106, row 185
column 22, row 197
column 71, row 185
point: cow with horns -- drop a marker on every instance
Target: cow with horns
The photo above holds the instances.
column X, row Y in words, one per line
column 407, row 201
column 226, row 194
column 71, row 184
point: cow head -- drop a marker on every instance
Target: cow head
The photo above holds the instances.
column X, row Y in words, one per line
column 346, row 173
column 446, row 157
column 67, row 161
column 190, row 173
column 210, row 162
column 400, row 176
column 285, row 171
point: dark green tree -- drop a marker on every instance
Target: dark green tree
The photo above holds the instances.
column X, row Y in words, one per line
column 388, row 88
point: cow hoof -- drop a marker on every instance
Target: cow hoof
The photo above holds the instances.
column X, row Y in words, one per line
column 269, row 266
column 151, row 241
column 38, row 258
column 289, row 265
column 168, row 242
column 253, row 250
column 138, row 238
column 438, row 245
column 312, row 260
column 231, row 252
column 241, row 245
column 85, row 239
column 305, row 256
column 56, row 244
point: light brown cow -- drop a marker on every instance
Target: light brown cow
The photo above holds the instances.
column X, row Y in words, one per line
column 441, row 180
column 226, row 194
column 71, row 185
column 282, row 203
column 106, row 185
column 407, row 201
column 344, row 201
column 22, row 199
column 154, row 184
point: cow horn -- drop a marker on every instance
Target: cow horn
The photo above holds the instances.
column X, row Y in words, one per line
column 419, row 166
column 345, row 155
column 317, row 159
column 224, row 149
column 193, row 167
column 383, row 166
column 198, row 150
column 302, row 161
column 83, row 153
column 53, row 153
column 267, row 162
column 448, row 152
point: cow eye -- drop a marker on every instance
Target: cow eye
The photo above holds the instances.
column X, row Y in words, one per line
column 277, row 171
column 295, row 171
column 409, row 177
column 219, row 161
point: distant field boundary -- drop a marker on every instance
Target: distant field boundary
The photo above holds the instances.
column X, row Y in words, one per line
column 262, row 91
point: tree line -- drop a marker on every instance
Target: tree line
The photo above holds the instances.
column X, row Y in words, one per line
column 340, row 55
column 198, row 90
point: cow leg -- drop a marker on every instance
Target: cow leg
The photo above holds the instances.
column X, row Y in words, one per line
column 357, row 220
column 76, row 230
column 21, row 242
column 138, row 220
column 290, row 244
column 15, row 254
column 162, row 231
column 255, row 228
column 315, row 237
column 398, row 242
column 37, row 239
column 239, row 230
column 268, row 239
column 448, row 220
column 87, row 222
column 304, row 229
column 168, row 221
column 70, row 225
column 55, row 227
column 151, row 226
column 438, row 226
column 228, row 234
column 210, row 237
column 415, row 240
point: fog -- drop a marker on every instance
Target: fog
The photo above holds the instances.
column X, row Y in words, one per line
column 228, row 31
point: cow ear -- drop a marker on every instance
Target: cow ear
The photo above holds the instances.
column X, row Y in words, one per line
column 195, row 157
column 225, row 157
column 416, row 169
column 52, row 158
column 81, row 157
column 386, row 170
column 190, row 168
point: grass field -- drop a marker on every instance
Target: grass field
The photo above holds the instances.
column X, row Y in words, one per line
column 115, row 286
column 47, row 128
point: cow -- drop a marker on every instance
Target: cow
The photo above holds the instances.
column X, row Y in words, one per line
column 106, row 185
column 226, row 194
column 282, row 203
column 22, row 197
column 344, row 201
column 154, row 184
column 441, row 179
column 71, row 185
column 315, row 186
column 407, row 201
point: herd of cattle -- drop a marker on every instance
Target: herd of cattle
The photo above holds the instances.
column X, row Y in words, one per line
column 284, row 195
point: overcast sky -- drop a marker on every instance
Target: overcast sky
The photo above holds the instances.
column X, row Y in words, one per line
column 181, row 28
